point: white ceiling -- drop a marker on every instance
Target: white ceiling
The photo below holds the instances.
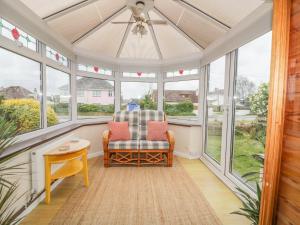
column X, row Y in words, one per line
column 192, row 25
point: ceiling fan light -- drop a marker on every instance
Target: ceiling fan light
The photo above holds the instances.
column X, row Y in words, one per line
column 143, row 31
column 135, row 29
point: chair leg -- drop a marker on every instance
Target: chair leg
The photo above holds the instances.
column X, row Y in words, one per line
column 106, row 159
column 170, row 159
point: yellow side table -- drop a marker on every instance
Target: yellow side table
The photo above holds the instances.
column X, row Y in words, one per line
column 74, row 156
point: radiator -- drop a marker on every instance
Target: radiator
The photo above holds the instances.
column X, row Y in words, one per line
column 37, row 163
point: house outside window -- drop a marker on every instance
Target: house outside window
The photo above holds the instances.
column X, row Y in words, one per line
column 96, row 93
column 95, row 97
column 80, row 93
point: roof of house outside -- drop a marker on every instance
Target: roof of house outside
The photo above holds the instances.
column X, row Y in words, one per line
column 14, row 92
column 178, row 95
column 90, row 84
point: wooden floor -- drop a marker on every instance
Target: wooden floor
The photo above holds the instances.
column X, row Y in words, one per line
column 221, row 200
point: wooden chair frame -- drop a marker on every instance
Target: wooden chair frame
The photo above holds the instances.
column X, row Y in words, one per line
column 138, row 157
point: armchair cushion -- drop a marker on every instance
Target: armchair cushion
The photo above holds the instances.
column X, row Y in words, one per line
column 147, row 115
column 132, row 144
column 119, row 131
column 144, row 145
column 133, row 120
column 157, row 130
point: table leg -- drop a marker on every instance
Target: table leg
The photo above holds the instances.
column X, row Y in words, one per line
column 85, row 168
column 47, row 179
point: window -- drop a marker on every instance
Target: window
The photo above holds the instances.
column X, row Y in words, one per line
column 94, row 69
column 97, row 97
column 10, row 31
column 182, row 72
column 20, row 91
column 250, row 107
column 80, row 93
column 138, row 95
column 139, row 74
column 181, row 98
column 58, row 96
column 96, row 93
column 215, row 108
column 56, row 56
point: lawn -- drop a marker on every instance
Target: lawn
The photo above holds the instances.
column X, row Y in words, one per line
column 244, row 147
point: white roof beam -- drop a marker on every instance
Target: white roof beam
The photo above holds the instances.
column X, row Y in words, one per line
column 154, row 37
column 101, row 24
column 199, row 12
column 125, row 36
column 68, row 10
column 189, row 38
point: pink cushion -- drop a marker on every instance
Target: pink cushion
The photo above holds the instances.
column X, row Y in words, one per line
column 157, row 131
column 119, row 131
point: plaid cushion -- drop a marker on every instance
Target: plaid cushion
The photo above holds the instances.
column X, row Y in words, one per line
column 132, row 144
column 151, row 115
column 131, row 116
column 147, row 115
column 133, row 121
column 153, row 144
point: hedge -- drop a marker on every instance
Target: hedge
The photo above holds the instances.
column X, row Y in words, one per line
column 184, row 108
column 96, row 108
column 25, row 113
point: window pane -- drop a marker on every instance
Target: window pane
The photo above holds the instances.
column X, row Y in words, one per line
column 56, row 56
column 10, row 31
column 181, row 99
column 58, row 96
column 251, row 101
column 95, row 97
column 94, row 69
column 182, row 72
column 138, row 95
column 139, row 74
column 20, row 91
column 215, row 112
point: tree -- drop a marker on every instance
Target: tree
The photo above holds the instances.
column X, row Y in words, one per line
column 244, row 87
column 259, row 101
column 259, row 106
column 147, row 102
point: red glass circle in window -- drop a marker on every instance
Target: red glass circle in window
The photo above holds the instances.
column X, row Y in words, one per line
column 57, row 56
column 15, row 33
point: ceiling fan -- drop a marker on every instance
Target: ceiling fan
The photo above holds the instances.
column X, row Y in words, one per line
column 138, row 8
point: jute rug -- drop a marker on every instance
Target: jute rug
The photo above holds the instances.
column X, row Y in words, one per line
column 136, row 196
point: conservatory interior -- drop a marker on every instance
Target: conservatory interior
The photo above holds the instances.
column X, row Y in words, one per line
column 137, row 112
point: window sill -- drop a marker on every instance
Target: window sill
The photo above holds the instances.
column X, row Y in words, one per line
column 39, row 137
column 185, row 122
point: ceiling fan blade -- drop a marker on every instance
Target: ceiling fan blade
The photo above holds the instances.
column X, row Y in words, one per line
column 157, row 22
column 120, row 22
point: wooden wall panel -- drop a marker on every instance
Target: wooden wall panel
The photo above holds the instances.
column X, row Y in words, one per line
column 277, row 94
column 288, row 208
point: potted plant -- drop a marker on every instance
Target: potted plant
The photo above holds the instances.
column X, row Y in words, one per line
column 8, row 197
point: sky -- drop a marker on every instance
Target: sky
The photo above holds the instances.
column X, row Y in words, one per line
column 253, row 63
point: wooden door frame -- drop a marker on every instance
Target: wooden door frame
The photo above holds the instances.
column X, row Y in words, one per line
column 276, row 109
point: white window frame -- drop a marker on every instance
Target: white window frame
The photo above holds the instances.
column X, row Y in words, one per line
column 222, row 170
column 200, row 77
